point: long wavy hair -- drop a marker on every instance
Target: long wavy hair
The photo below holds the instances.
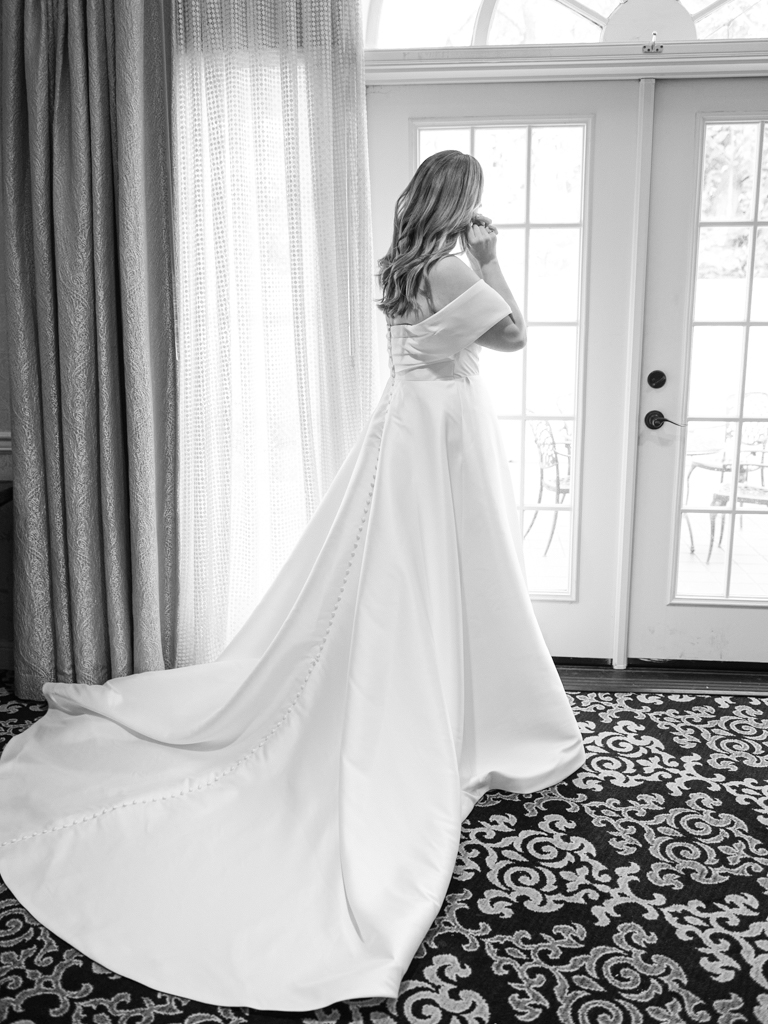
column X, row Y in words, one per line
column 432, row 214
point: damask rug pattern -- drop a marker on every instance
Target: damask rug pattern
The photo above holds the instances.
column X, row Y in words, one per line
column 635, row 891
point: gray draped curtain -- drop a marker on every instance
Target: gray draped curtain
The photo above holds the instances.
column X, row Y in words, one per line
column 86, row 188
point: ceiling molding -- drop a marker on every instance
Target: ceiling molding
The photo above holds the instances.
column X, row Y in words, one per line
column 702, row 58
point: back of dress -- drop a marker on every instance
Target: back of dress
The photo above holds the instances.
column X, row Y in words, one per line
column 443, row 345
column 278, row 829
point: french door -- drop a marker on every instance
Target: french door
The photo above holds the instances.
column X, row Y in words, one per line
column 574, row 171
column 699, row 586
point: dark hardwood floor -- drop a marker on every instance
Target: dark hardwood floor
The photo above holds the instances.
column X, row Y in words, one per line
column 748, row 679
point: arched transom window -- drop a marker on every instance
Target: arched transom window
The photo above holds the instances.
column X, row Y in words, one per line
column 396, row 24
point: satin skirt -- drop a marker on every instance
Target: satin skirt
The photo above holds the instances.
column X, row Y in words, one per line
column 277, row 829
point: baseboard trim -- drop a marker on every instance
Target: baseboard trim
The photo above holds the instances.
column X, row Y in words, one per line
column 680, row 677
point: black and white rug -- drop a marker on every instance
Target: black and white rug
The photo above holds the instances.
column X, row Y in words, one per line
column 635, row 891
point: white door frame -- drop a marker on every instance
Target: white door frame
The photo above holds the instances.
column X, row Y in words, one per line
column 584, row 628
column 663, row 625
column 630, row 429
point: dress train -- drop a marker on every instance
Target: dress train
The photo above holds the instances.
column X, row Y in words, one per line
column 277, row 829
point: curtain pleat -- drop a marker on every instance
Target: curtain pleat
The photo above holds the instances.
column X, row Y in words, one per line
column 277, row 373
column 89, row 290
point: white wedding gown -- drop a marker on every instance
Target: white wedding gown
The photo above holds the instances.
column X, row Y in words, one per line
column 277, row 829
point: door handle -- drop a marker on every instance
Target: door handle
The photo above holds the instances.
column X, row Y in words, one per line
column 655, row 420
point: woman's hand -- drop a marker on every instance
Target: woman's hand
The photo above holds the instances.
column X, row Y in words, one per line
column 480, row 218
column 481, row 242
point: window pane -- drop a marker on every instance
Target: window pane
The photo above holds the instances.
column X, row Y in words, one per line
column 547, row 551
column 502, row 374
column 708, row 464
column 556, row 167
column 511, row 435
column 719, row 481
column 433, row 140
column 763, row 212
column 730, row 159
column 430, row 23
column 604, row 7
column 756, row 389
column 703, row 554
column 540, row 383
column 550, row 371
column 760, row 280
column 539, row 21
column 503, row 153
column 553, row 284
column 715, row 375
column 721, row 287
column 752, row 491
column 749, row 573
column 510, row 249
column 740, row 19
column 548, row 457
column 415, row 23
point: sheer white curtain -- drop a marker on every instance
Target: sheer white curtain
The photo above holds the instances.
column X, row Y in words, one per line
column 277, row 371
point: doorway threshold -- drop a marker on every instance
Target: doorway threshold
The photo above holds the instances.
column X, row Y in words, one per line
column 747, row 679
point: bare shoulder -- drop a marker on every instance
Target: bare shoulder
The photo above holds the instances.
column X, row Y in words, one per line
column 448, row 278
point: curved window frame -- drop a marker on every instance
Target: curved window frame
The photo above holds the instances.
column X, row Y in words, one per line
column 487, row 9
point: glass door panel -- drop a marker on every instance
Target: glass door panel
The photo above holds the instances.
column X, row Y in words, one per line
column 534, row 193
column 725, row 378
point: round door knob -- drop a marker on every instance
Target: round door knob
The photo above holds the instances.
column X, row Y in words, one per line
column 657, row 378
column 654, row 419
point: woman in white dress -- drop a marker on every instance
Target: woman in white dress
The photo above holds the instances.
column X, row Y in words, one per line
column 278, row 829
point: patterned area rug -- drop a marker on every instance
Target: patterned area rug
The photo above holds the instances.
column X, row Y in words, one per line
column 635, row 891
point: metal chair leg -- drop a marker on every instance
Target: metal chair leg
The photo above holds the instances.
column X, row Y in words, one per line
column 531, row 523
column 690, row 531
column 551, row 533
column 538, row 502
column 688, row 484
column 712, row 517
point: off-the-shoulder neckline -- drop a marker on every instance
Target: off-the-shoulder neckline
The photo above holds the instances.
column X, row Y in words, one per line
column 442, row 308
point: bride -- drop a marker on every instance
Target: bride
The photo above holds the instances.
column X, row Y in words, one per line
column 277, row 829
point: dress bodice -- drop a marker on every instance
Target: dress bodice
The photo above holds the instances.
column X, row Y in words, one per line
column 442, row 346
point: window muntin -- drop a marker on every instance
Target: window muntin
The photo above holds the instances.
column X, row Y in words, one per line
column 540, row 21
column 722, row 543
column 534, row 192
column 738, row 19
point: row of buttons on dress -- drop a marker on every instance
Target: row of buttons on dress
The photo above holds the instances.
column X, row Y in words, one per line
column 389, row 353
